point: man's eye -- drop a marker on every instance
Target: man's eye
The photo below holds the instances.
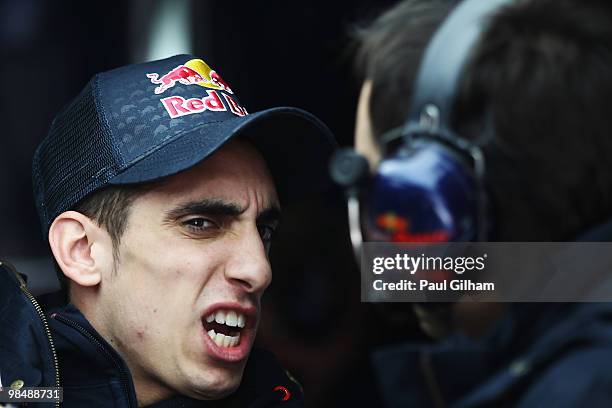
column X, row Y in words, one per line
column 266, row 232
column 199, row 224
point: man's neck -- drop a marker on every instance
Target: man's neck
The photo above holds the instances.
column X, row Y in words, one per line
column 148, row 391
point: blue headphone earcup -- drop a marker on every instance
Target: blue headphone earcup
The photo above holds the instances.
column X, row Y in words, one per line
column 426, row 192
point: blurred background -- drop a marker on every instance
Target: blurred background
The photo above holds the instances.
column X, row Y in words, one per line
column 273, row 53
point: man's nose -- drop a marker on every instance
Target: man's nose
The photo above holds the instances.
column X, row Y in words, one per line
column 249, row 266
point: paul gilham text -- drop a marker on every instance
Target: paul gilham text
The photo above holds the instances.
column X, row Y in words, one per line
column 463, row 285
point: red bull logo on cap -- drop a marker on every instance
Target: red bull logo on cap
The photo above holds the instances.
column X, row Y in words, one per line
column 193, row 72
column 196, row 72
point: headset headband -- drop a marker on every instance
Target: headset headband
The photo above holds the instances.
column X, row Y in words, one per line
column 444, row 61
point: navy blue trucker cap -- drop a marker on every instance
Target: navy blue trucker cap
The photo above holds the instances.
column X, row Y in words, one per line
column 142, row 122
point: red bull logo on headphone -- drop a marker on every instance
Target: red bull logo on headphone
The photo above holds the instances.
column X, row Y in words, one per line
column 398, row 229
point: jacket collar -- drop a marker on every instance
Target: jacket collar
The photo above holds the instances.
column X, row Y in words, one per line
column 86, row 359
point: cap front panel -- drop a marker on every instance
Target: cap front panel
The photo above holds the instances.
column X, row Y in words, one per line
column 149, row 105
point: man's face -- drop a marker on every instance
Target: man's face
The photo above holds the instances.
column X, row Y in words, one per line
column 195, row 250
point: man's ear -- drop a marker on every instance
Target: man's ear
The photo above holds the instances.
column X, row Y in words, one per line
column 71, row 237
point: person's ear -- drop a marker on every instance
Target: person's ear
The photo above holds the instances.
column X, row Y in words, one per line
column 72, row 238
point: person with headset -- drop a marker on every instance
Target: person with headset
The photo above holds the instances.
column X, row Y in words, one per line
column 496, row 129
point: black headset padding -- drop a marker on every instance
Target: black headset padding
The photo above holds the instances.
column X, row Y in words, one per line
column 445, row 59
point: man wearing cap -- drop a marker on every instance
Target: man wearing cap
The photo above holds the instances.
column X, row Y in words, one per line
column 159, row 195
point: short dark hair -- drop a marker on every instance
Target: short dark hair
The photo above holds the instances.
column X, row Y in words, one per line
column 109, row 208
column 388, row 53
column 542, row 72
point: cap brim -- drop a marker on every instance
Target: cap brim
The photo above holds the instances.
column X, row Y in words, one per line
column 295, row 145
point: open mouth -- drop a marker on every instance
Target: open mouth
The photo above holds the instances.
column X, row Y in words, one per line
column 224, row 327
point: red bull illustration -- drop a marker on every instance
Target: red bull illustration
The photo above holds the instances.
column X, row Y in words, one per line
column 193, row 72
column 182, row 74
column 399, row 230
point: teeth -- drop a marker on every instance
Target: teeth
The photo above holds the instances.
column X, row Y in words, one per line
column 224, row 341
column 220, row 317
column 219, row 339
column 231, row 319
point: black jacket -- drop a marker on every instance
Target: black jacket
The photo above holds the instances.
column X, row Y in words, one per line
column 539, row 355
column 60, row 348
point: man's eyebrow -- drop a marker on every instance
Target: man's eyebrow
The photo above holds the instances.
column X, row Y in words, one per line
column 206, row 206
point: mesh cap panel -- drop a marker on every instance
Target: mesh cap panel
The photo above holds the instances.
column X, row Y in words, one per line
column 76, row 157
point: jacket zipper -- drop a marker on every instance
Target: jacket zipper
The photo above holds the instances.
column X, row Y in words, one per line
column 24, row 288
column 123, row 377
